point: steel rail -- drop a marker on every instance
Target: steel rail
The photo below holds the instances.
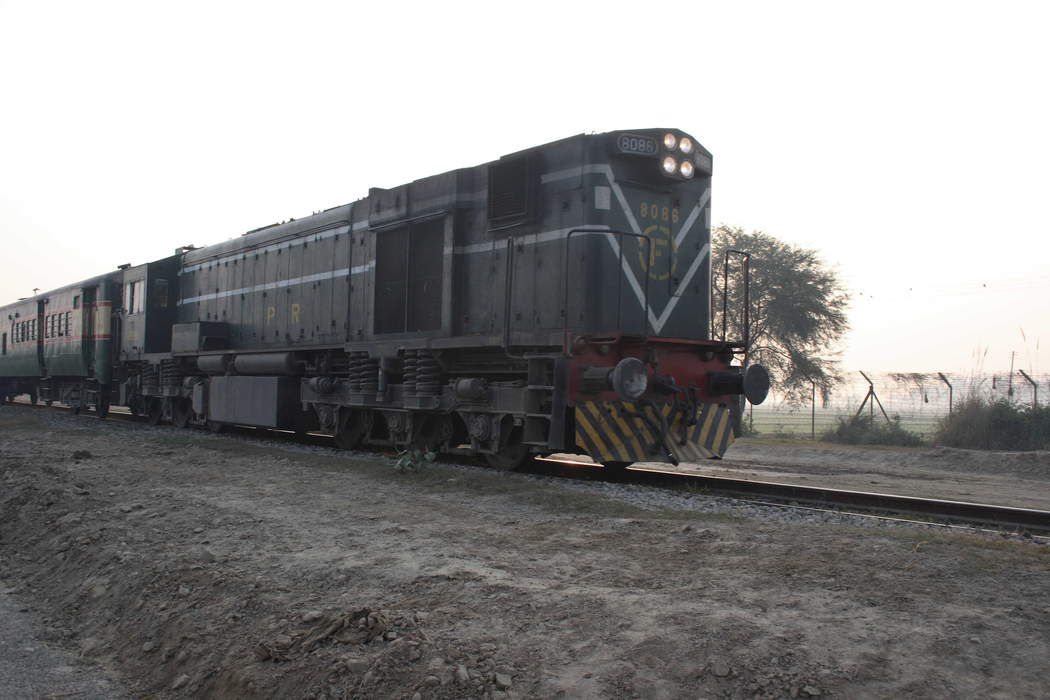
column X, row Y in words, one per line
column 985, row 514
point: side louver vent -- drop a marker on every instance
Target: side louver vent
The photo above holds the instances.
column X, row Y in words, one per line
column 509, row 189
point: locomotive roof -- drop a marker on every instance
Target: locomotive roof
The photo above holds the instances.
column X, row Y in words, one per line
column 274, row 233
column 328, row 218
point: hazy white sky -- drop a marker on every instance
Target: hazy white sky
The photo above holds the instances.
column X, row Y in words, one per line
column 908, row 142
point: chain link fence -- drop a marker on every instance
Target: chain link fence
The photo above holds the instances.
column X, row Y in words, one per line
column 920, row 399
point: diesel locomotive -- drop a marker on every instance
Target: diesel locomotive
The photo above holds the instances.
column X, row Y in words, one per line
column 557, row 300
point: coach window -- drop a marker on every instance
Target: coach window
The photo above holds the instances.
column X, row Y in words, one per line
column 76, row 302
column 68, row 315
column 134, row 297
column 5, row 344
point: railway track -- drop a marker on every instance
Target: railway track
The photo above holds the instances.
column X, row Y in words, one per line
column 894, row 507
column 926, row 511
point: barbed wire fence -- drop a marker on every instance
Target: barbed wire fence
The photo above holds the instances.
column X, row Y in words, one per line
column 919, row 399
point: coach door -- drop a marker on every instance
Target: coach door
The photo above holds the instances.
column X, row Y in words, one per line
column 38, row 335
column 87, row 332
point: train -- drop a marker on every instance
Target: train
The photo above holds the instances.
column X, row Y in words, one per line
column 554, row 301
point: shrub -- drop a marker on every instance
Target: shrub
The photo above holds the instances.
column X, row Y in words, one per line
column 859, row 430
column 985, row 424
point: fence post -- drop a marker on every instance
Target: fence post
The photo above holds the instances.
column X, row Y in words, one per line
column 1035, row 389
column 945, row 380
column 874, row 398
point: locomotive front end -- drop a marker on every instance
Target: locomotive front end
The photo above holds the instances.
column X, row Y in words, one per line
column 647, row 381
column 656, row 400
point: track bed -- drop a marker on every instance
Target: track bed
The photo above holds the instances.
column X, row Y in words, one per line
column 1018, row 479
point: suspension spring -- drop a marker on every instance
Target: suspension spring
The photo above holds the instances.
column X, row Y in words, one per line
column 358, row 368
column 370, row 375
column 169, row 373
column 150, row 375
column 410, row 368
column 428, row 374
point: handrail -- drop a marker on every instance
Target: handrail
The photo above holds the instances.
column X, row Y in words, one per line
column 619, row 289
column 747, row 299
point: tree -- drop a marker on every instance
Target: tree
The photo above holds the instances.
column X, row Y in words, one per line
column 798, row 310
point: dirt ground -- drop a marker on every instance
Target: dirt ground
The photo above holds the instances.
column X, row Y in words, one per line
column 195, row 565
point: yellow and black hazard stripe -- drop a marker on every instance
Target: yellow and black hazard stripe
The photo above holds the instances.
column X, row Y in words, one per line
column 623, row 431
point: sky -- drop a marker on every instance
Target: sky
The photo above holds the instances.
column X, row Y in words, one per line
column 909, row 143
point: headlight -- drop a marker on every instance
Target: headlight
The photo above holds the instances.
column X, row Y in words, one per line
column 628, row 379
column 670, row 165
column 686, row 145
column 670, row 141
column 687, row 168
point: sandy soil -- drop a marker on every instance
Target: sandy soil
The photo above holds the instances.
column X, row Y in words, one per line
column 196, row 565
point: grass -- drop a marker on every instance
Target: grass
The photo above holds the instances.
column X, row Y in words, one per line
column 861, row 430
column 999, row 424
column 786, row 423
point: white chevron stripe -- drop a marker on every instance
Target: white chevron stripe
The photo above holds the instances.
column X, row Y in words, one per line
column 657, row 322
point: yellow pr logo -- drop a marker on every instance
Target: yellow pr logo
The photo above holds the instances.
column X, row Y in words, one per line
column 661, row 246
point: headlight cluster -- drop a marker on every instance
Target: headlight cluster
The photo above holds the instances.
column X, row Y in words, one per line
column 670, row 164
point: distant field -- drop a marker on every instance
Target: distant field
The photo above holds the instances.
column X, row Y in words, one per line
column 799, row 423
column 920, row 399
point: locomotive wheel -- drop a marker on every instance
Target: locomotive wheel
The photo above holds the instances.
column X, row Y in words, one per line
column 435, row 431
column 101, row 405
column 33, row 398
column 512, row 456
column 181, row 412
column 215, row 426
column 352, row 428
column 154, row 411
